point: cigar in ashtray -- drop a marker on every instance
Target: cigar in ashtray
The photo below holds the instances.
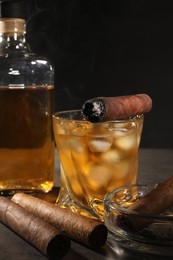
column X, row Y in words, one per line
column 43, row 236
column 111, row 108
column 89, row 232
column 156, row 202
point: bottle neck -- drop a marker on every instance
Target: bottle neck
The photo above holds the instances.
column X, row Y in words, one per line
column 12, row 38
column 12, row 35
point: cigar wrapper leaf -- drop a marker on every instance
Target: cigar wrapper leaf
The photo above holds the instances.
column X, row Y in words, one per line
column 82, row 229
column 152, row 204
column 111, row 108
column 43, row 236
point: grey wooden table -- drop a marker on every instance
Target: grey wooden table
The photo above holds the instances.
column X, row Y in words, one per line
column 155, row 165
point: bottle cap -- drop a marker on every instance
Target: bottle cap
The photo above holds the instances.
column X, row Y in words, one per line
column 12, row 9
column 11, row 25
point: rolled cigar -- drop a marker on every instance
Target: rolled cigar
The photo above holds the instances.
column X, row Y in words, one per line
column 43, row 236
column 154, row 203
column 112, row 108
column 82, row 229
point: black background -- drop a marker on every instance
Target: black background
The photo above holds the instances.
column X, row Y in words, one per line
column 109, row 48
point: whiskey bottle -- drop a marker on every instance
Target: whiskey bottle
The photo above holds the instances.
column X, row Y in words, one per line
column 26, row 107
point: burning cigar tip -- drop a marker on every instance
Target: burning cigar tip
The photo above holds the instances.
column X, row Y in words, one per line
column 94, row 110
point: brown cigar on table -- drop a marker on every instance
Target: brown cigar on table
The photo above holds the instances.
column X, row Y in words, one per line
column 111, row 108
column 154, row 203
column 43, row 236
column 82, row 229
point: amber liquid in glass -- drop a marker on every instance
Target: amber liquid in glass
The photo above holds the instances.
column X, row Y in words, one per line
column 26, row 140
column 95, row 159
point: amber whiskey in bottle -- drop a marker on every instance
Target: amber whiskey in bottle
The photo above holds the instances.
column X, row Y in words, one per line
column 26, row 107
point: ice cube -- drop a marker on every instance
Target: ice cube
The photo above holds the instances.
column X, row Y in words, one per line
column 126, row 142
column 111, row 156
column 100, row 144
column 122, row 129
column 121, row 170
column 99, row 175
column 79, row 151
column 81, row 128
column 76, row 144
column 59, row 128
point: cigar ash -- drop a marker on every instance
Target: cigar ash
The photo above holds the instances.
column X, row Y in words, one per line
column 94, row 110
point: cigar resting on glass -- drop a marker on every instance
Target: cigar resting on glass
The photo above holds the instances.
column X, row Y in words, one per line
column 43, row 236
column 111, row 108
column 82, row 229
column 154, row 203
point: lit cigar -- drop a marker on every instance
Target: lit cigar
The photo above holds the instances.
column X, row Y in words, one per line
column 86, row 231
column 154, row 203
column 43, row 236
column 112, row 108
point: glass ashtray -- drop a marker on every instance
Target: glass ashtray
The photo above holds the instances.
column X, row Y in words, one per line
column 148, row 234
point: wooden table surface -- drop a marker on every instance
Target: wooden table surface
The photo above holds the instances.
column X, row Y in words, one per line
column 155, row 165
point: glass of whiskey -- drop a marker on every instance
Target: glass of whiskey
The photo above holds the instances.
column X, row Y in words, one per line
column 94, row 159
